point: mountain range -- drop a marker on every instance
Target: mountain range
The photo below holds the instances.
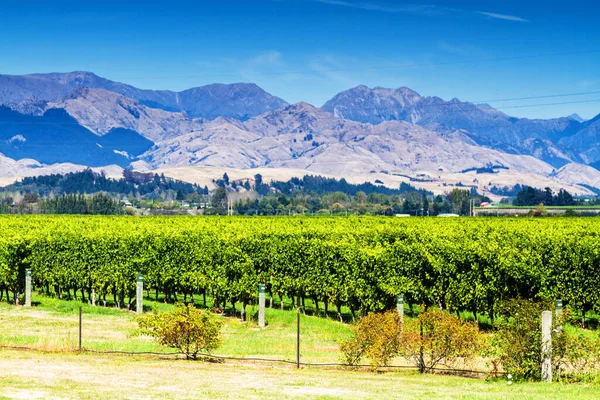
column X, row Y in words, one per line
column 84, row 119
column 239, row 100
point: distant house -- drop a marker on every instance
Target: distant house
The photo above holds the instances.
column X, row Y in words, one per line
column 127, row 204
column 402, row 215
column 485, row 204
column 448, row 215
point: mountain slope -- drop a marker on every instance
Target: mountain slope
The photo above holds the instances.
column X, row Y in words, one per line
column 302, row 136
column 487, row 126
column 238, row 100
column 52, row 138
column 586, row 141
column 101, row 110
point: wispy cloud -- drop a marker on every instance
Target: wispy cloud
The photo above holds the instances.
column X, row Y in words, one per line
column 268, row 58
column 270, row 62
column 503, row 16
column 587, row 83
column 405, row 8
column 454, row 49
column 425, row 9
column 328, row 67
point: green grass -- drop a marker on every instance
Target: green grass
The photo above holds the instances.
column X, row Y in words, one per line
column 59, row 372
column 36, row 375
column 52, row 325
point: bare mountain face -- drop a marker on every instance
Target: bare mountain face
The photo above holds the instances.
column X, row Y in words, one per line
column 586, row 141
column 238, row 100
column 306, row 137
column 544, row 139
column 84, row 119
column 101, row 111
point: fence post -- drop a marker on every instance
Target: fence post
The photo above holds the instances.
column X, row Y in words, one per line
column 547, row 346
column 261, row 306
column 139, row 294
column 298, row 340
column 400, row 307
column 27, row 288
column 80, row 327
column 559, row 311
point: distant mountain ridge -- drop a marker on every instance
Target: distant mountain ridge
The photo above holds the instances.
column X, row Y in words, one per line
column 83, row 119
column 304, row 136
column 237, row 100
column 487, row 126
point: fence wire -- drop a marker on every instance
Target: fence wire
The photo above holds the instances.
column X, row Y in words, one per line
column 259, row 359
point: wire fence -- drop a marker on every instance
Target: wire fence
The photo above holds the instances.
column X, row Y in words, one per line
column 208, row 356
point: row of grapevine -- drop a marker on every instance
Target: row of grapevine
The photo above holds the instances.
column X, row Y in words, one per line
column 362, row 263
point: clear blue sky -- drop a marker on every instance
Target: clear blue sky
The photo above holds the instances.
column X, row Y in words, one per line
column 312, row 49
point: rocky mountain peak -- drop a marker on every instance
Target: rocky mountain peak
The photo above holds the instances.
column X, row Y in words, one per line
column 576, row 117
column 238, row 100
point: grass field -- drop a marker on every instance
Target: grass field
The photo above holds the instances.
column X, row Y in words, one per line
column 55, row 371
column 52, row 325
column 33, row 375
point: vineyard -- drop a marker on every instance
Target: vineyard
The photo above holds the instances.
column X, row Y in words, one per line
column 360, row 263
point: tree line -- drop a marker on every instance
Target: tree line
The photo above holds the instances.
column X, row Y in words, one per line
column 530, row 196
column 97, row 204
column 132, row 183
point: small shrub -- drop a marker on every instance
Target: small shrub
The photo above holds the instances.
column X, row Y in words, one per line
column 186, row 328
column 575, row 353
column 571, row 213
column 517, row 342
column 436, row 337
column 518, row 347
column 376, row 337
column 540, row 211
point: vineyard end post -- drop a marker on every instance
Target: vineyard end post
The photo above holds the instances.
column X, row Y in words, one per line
column 139, row 295
column 400, row 307
column 261, row 306
column 559, row 311
column 80, row 327
column 547, row 346
column 27, row 288
column 298, row 340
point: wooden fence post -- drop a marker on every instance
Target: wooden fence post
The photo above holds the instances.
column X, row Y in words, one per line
column 261, row 306
column 27, row 288
column 139, row 294
column 547, row 346
column 400, row 307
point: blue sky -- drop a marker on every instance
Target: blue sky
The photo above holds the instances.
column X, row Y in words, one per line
column 309, row 50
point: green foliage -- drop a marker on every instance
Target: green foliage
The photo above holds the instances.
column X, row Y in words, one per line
column 359, row 262
column 376, row 337
column 575, row 355
column 89, row 182
column 219, row 199
column 517, row 343
column 529, row 196
column 518, row 340
column 187, row 329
